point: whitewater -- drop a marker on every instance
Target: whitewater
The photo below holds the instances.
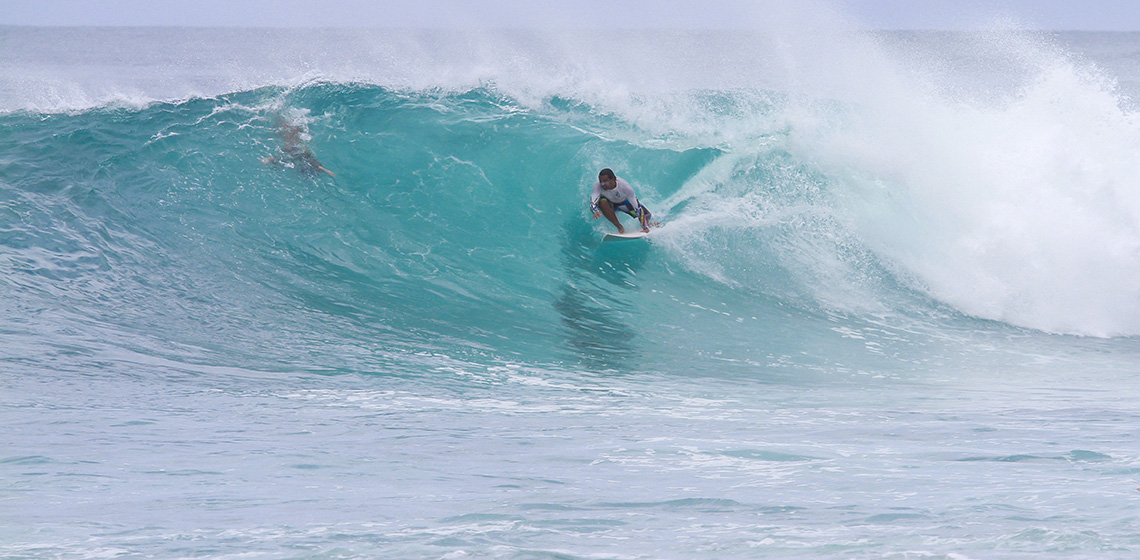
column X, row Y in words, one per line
column 892, row 311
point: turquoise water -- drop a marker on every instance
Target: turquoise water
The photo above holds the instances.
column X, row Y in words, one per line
column 890, row 313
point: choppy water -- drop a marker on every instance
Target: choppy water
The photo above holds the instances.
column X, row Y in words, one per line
column 891, row 314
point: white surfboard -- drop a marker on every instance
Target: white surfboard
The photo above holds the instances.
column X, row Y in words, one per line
column 624, row 236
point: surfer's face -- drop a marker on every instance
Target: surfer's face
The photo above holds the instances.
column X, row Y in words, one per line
column 608, row 183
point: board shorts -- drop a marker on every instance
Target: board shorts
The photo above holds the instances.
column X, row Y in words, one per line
column 641, row 212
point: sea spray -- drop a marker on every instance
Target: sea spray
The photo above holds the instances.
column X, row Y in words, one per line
column 1022, row 208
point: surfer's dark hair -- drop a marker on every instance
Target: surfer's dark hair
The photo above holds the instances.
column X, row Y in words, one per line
column 607, row 172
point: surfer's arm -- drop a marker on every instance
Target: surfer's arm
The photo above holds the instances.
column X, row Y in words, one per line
column 595, row 197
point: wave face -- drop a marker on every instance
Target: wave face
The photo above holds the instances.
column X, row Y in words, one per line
column 457, row 223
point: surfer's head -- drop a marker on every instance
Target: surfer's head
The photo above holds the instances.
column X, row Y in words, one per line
column 607, row 178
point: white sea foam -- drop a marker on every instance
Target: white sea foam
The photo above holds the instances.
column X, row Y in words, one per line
column 1024, row 209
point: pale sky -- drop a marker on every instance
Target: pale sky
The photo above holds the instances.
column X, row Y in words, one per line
column 1116, row 15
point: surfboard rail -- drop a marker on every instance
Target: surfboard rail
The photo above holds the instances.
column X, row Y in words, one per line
column 614, row 236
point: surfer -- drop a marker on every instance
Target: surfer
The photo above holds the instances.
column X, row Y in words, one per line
column 295, row 150
column 610, row 194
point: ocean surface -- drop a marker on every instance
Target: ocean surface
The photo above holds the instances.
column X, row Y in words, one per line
column 893, row 310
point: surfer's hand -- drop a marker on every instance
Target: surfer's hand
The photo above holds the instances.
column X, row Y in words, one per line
column 596, row 214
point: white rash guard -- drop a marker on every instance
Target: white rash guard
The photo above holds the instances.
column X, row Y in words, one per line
column 617, row 195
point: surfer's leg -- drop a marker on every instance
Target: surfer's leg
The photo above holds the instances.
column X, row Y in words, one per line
column 608, row 212
column 643, row 216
